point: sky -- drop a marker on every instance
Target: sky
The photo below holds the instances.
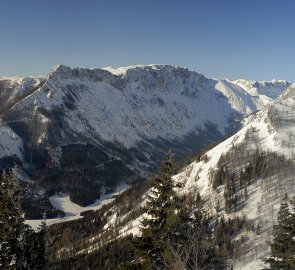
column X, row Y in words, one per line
column 250, row 39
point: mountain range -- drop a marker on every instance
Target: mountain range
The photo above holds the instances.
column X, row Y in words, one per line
column 117, row 121
column 82, row 134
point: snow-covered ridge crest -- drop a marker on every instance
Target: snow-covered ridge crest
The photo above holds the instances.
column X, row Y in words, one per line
column 124, row 70
column 62, row 72
column 265, row 88
column 123, row 75
column 22, row 83
column 262, row 83
column 289, row 92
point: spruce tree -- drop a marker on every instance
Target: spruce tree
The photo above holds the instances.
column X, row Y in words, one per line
column 20, row 247
column 36, row 248
column 176, row 234
column 283, row 245
column 192, row 244
column 161, row 207
column 292, row 224
column 12, row 229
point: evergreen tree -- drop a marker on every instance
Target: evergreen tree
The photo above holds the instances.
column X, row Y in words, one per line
column 12, row 227
column 283, row 245
column 192, row 245
column 221, row 236
column 162, row 207
column 37, row 250
column 292, row 224
column 20, row 247
column 177, row 233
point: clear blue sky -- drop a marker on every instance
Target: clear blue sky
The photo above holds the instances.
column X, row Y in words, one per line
column 251, row 39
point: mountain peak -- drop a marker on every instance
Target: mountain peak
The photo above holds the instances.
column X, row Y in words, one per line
column 59, row 70
column 60, row 67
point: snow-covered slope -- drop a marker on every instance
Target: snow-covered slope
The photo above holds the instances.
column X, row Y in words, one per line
column 268, row 89
column 129, row 116
column 73, row 211
column 141, row 102
column 272, row 129
column 119, row 120
column 13, row 89
column 11, row 143
column 250, row 96
column 260, row 160
column 271, row 133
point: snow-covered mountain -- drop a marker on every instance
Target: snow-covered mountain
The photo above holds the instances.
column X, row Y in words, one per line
column 266, row 144
column 117, row 121
column 257, row 164
column 245, row 176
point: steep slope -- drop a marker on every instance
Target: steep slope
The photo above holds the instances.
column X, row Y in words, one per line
column 13, row 90
column 265, row 90
column 249, row 97
column 262, row 154
column 247, row 175
column 82, row 130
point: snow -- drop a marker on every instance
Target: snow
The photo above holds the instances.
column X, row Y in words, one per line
column 143, row 102
column 72, row 211
column 121, row 70
column 11, row 143
column 274, row 133
column 271, row 89
column 253, row 265
column 274, row 128
column 63, row 202
column 238, row 97
column 23, row 83
column 13, row 260
column 128, row 105
column 22, row 175
column 14, row 87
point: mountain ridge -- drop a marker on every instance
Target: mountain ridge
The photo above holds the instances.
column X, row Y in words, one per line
column 120, row 122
